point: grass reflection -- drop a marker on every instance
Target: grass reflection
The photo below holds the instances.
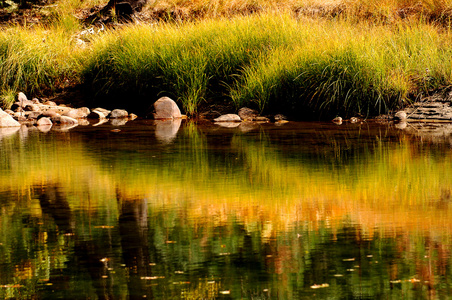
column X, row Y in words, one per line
column 356, row 212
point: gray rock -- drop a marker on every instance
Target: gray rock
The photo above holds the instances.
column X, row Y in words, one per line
column 228, row 118
column 119, row 113
column 166, row 108
column 248, row 114
column 44, row 122
column 6, row 120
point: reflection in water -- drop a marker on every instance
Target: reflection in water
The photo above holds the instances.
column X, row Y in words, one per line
column 298, row 211
column 166, row 130
column 7, row 131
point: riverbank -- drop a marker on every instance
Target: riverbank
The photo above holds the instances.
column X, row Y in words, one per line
column 305, row 66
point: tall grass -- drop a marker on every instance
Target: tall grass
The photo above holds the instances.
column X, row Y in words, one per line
column 273, row 62
column 36, row 61
column 364, row 69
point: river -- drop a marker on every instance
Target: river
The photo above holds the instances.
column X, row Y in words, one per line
column 184, row 211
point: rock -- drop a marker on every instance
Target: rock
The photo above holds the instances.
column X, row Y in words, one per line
column 354, row 120
column 119, row 113
column 50, row 113
column 68, row 120
column 35, row 101
column 400, row 116
column 44, row 122
column 228, row 118
column 133, row 117
column 6, row 120
column 32, row 107
column 23, row 101
column 33, row 115
column 166, row 108
column 78, row 113
column 337, row 120
column 262, row 119
column 280, row 117
column 95, row 114
column 248, row 114
column 50, row 103
column 104, row 111
column 9, row 112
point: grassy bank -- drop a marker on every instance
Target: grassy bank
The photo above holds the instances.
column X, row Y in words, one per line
column 273, row 61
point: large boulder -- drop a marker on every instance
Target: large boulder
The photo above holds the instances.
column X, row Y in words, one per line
column 228, row 118
column 166, row 108
column 7, row 121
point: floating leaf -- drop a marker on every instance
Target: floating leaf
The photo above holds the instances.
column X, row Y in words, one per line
column 320, row 286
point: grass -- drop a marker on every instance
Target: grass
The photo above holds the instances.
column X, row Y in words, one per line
column 277, row 60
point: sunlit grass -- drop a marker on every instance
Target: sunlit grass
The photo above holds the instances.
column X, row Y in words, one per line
column 36, row 61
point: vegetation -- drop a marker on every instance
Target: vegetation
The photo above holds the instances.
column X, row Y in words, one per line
column 302, row 58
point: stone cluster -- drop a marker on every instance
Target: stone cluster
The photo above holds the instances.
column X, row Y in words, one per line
column 47, row 114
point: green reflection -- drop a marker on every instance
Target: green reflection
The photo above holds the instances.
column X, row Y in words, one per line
column 268, row 212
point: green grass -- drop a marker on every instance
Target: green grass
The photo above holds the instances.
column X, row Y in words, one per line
column 272, row 62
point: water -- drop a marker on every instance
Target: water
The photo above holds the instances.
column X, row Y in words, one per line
column 179, row 211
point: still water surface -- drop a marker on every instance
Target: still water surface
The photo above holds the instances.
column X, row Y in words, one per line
column 299, row 211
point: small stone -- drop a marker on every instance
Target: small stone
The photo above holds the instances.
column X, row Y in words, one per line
column 166, row 108
column 354, row 120
column 280, row 117
column 262, row 119
column 337, row 120
column 248, row 114
column 228, row 118
column 50, row 113
column 78, row 113
column 400, row 116
column 44, row 122
column 132, row 117
column 23, row 101
column 68, row 120
column 104, row 111
column 119, row 113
